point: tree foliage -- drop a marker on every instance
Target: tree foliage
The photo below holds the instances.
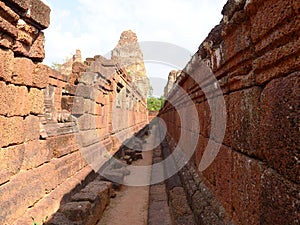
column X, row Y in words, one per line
column 155, row 104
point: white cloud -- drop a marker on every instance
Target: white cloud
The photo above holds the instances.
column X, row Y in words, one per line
column 95, row 26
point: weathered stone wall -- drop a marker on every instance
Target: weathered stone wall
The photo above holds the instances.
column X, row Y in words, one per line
column 254, row 55
column 53, row 125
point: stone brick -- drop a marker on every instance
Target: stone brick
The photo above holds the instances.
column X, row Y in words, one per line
column 8, row 28
column 11, row 159
column 67, row 166
column 282, row 68
column 237, row 36
column 8, row 13
column 41, row 76
column 36, row 98
column 62, row 145
column 279, row 129
column 6, row 41
column 243, row 121
column 246, row 189
column 86, row 122
column 275, row 55
column 20, row 105
column 36, row 154
column 77, row 211
column 22, row 5
column 280, row 200
column 6, row 64
column 12, row 131
column 270, row 14
column 75, row 105
column 13, row 100
column 278, row 36
column 21, row 49
column 39, row 14
column 22, row 72
column 37, row 51
column 15, row 197
column 224, row 165
column 24, row 37
column 32, row 128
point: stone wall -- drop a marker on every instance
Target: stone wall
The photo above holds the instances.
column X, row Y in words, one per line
column 254, row 55
column 52, row 126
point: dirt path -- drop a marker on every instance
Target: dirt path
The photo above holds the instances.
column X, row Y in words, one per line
column 130, row 206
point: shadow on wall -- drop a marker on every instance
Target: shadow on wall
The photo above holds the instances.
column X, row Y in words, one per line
column 86, row 203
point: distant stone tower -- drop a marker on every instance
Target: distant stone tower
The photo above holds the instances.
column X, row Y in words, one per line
column 171, row 80
column 66, row 68
column 129, row 56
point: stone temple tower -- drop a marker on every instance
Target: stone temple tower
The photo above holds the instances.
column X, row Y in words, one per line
column 129, row 56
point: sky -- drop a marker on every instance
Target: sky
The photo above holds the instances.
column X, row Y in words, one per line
column 94, row 27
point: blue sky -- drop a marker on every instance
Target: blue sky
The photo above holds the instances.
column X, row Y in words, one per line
column 94, row 26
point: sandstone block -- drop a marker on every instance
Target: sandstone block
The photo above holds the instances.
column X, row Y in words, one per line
column 77, row 211
column 6, row 64
column 22, row 5
column 6, row 41
column 246, row 188
column 22, row 71
column 37, row 51
column 21, row 105
column 21, row 48
column 62, row 145
column 24, row 37
column 11, row 159
column 32, row 128
column 36, row 99
column 271, row 57
column 8, row 28
column 280, row 199
column 14, row 100
column 279, row 132
column 98, row 194
column 269, row 14
column 36, row 154
column 75, row 105
column 39, row 14
column 86, row 122
column 8, row 13
column 276, row 37
column 15, row 197
column 12, row 131
column 41, row 75
column 243, row 121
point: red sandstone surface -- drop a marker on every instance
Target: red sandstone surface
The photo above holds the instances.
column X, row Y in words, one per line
column 52, row 124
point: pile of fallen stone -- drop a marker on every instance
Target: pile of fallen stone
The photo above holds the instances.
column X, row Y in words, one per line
column 86, row 206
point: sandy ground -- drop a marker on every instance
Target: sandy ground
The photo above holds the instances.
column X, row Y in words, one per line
column 130, row 206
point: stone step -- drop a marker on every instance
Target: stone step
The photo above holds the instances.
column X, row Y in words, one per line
column 86, row 207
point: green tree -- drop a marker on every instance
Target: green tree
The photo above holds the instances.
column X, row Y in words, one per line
column 155, row 104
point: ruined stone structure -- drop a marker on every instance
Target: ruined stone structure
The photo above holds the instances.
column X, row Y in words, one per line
column 171, row 80
column 53, row 126
column 66, row 68
column 129, row 55
column 56, row 129
column 254, row 55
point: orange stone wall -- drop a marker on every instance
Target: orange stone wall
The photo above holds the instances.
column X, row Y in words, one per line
column 254, row 54
column 48, row 120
